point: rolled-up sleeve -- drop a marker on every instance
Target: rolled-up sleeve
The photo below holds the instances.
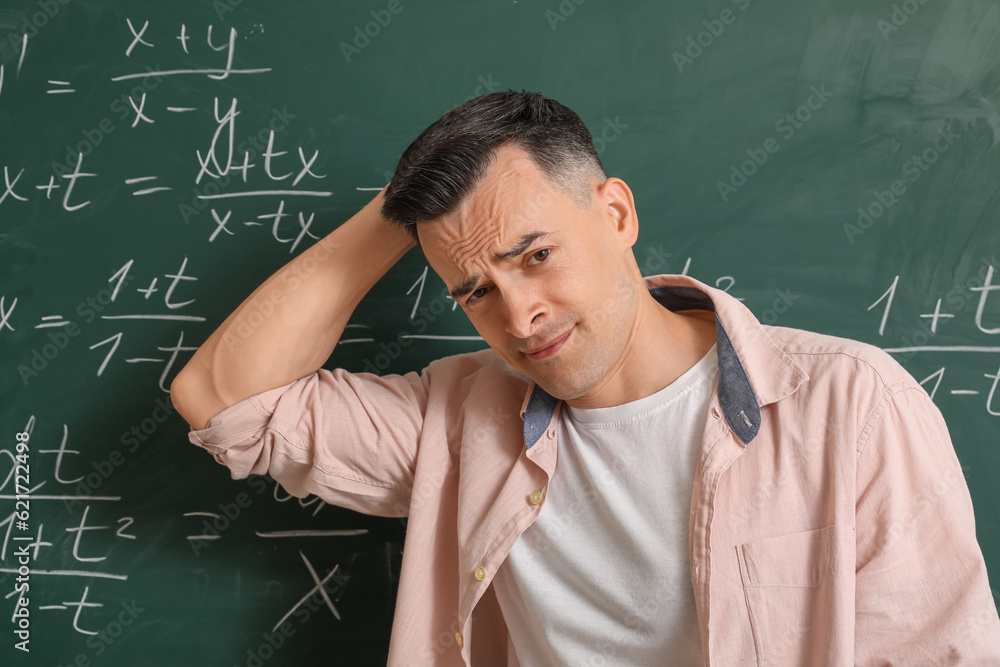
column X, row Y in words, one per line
column 349, row 438
column 922, row 593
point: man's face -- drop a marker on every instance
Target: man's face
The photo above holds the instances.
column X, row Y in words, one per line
column 550, row 287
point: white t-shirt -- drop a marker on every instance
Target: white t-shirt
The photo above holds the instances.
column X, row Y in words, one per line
column 602, row 576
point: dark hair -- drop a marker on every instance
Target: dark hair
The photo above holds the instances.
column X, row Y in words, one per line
column 451, row 156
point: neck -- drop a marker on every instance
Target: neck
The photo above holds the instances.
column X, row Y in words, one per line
column 662, row 346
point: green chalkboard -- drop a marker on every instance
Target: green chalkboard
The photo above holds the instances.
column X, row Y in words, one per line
column 831, row 163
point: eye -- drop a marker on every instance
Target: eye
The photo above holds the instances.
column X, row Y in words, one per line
column 541, row 255
column 476, row 294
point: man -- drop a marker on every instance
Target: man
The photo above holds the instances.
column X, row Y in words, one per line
column 726, row 492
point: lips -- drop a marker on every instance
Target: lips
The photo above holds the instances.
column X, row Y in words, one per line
column 550, row 348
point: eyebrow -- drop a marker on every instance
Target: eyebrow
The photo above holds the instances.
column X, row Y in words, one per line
column 522, row 244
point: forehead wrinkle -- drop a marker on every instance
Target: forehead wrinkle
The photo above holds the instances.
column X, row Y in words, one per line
column 479, row 225
column 479, row 222
column 464, row 251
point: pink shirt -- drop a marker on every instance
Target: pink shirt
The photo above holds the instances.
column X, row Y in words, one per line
column 830, row 520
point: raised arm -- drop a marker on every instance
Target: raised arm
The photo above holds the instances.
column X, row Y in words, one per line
column 288, row 327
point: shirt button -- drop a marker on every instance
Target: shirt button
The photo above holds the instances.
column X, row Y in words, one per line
column 458, row 638
column 480, row 573
column 715, row 412
column 535, row 497
column 551, row 433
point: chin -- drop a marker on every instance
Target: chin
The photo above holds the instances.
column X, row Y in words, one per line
column 563, row 391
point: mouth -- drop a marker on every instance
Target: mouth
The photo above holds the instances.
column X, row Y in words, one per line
column 547, row 350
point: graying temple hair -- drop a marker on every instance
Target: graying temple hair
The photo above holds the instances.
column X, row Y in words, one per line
column 451, row 156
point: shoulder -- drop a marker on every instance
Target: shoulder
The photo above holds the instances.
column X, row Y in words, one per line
column 833, row 358
column 461, row 372
column 469, row 363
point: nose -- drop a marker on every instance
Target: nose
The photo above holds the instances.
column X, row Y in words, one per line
column 525, row 310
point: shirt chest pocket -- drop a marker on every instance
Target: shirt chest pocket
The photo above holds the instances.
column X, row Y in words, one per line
column 799, row 596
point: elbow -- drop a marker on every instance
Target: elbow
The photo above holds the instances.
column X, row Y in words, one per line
column 196, row 398
column 182, row 395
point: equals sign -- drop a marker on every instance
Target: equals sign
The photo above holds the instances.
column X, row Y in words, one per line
column 54, row 91
column 52, row 321
column 143, row 179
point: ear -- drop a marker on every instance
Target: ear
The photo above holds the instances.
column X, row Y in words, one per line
column 617, row 204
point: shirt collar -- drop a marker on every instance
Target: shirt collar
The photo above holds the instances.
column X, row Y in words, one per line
column 753, row 370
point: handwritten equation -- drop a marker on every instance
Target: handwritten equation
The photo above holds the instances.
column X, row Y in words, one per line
column 25, row 546
column 929, row 324
column 283, row 173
